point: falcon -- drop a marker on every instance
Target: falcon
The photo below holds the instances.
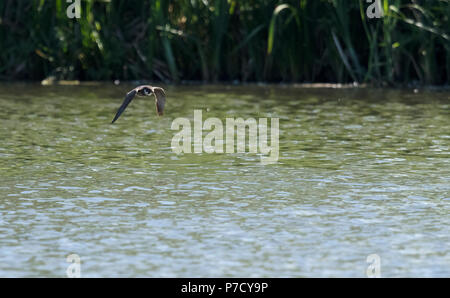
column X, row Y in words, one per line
column 144, row 90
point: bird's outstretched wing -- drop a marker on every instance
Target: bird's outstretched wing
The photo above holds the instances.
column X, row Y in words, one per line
column 128, row 99
column 160, row 99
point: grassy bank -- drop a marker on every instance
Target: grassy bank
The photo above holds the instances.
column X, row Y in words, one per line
column 213, row 40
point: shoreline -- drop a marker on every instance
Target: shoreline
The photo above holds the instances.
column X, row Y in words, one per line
column 411, row 86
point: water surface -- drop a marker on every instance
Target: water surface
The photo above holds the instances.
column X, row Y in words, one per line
column 360, row 172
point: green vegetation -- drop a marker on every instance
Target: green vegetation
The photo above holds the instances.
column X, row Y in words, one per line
column 211, row 40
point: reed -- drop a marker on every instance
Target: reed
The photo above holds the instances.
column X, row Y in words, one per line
column 227, row 40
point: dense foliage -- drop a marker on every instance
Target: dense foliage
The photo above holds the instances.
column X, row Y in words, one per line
column 211, row 40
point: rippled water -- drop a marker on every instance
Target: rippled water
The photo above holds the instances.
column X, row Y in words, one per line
column 360, row 172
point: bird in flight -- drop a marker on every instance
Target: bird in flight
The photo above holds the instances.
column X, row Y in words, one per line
column 144, row 90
